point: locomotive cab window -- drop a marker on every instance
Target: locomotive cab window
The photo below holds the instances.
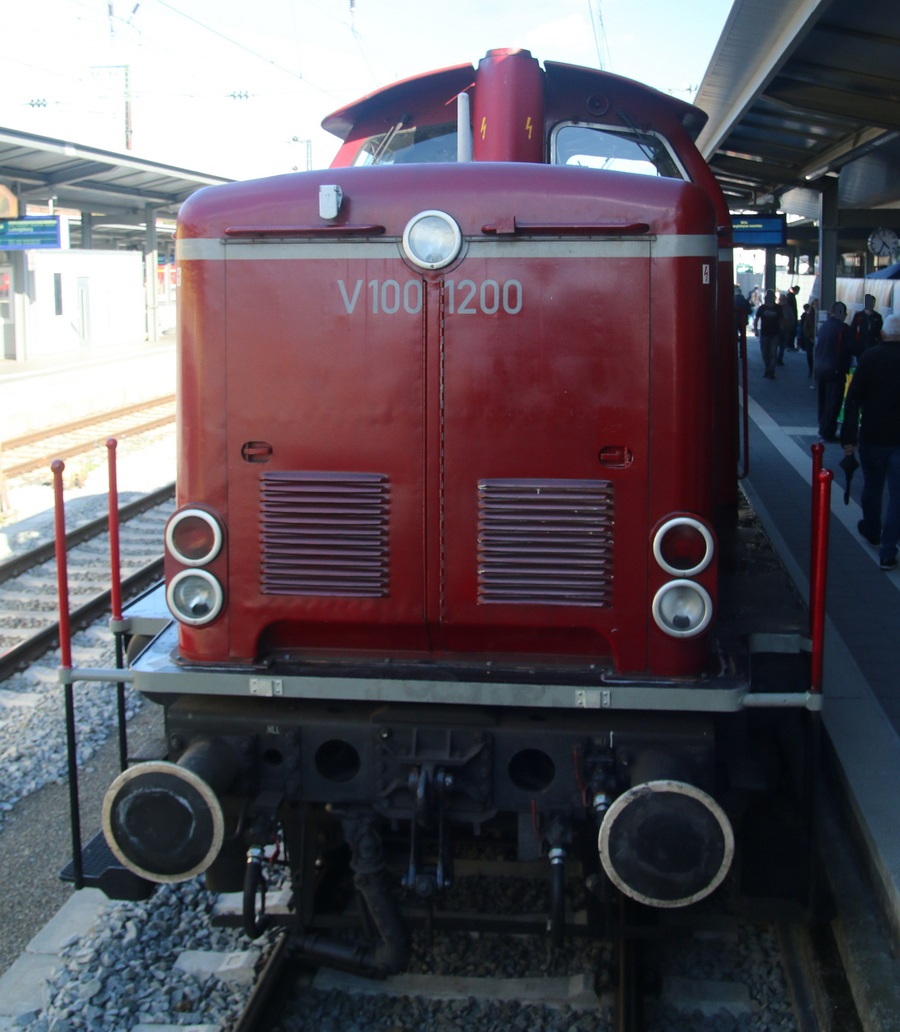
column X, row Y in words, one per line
column 410, row 145
column 614, row 150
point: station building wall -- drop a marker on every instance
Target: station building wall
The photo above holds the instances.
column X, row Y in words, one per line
column 80, row 299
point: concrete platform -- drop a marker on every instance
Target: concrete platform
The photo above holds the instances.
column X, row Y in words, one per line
column 862, row 694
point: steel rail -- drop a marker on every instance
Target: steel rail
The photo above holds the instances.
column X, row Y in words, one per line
column 79, row 424
column 48, row 638
column 18, row 564
column 29, row 465
column 268, row 985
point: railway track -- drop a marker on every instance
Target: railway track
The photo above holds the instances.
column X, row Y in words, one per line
column 647, row 972
column 484, row 957
column 28, row 594
column 630, row 985
column 724, row 968
column 30, row 452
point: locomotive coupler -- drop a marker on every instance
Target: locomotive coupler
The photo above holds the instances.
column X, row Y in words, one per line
column 371, row 880
column 430, row 789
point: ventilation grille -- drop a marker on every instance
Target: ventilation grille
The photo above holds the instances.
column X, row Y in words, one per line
column 324, row 534
column 545, row 542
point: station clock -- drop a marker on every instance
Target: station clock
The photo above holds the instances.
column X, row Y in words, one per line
column 883, row 242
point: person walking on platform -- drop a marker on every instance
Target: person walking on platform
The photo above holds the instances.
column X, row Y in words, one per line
column 793, row 318
column 741, row 311
column 831, row 364
column 807, row 330
column 768, row 325
column 866, row 326
column 788, row 326
column 875, row 392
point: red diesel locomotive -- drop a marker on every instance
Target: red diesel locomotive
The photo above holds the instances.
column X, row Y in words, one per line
column 457, row 429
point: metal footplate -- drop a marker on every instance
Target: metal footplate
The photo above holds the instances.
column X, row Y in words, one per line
column 101, row 870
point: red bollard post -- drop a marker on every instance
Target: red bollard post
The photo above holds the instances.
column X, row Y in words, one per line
column 115, row 594
column 115, row 587
column 818, row 576
column 62, row 571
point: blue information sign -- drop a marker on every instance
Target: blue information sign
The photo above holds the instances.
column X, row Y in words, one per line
column 29, row 232
column 760, row 230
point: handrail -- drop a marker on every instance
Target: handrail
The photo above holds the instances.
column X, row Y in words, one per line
column 511, row 226
column 745, row 401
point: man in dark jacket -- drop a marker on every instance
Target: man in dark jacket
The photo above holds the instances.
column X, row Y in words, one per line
column 741, row 311
column 865, row 326
column 875, row 389
column 768, row 325
column 831, row 364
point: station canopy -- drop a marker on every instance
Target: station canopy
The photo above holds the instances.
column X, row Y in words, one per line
column 121, row 192
column 802, row 92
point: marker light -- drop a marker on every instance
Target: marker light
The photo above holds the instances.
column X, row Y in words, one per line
column 195, row 597
column 432, row 240
column 682, row 608
column 193, row 537
column 683, row 546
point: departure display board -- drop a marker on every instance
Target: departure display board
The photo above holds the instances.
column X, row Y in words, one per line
column 760, row 230
column 29, row 232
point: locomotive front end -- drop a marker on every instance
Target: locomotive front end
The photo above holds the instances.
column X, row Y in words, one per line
column 444, row 550
column 458, row 434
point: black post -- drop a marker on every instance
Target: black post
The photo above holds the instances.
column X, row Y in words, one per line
column 120, row 699
column 74, row 804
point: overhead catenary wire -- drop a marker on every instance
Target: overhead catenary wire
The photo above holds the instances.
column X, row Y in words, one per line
column 94, row 93
column 241, row 46
column 601, row 43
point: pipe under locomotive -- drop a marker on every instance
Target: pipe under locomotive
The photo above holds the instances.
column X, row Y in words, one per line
column 457, row 430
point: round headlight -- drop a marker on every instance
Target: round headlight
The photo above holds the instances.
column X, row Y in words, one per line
column 193, row 537
column 682, row 608
column 432, row 240
column 683, row 546
column 195, row 597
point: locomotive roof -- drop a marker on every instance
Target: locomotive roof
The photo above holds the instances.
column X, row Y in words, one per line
column 564, row 83
column 575, row 80
column 441, row 86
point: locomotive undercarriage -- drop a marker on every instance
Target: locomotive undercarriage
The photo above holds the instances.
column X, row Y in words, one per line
column 243, row 774
column 640, row 780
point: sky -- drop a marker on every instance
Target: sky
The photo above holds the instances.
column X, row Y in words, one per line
column 239, row 89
